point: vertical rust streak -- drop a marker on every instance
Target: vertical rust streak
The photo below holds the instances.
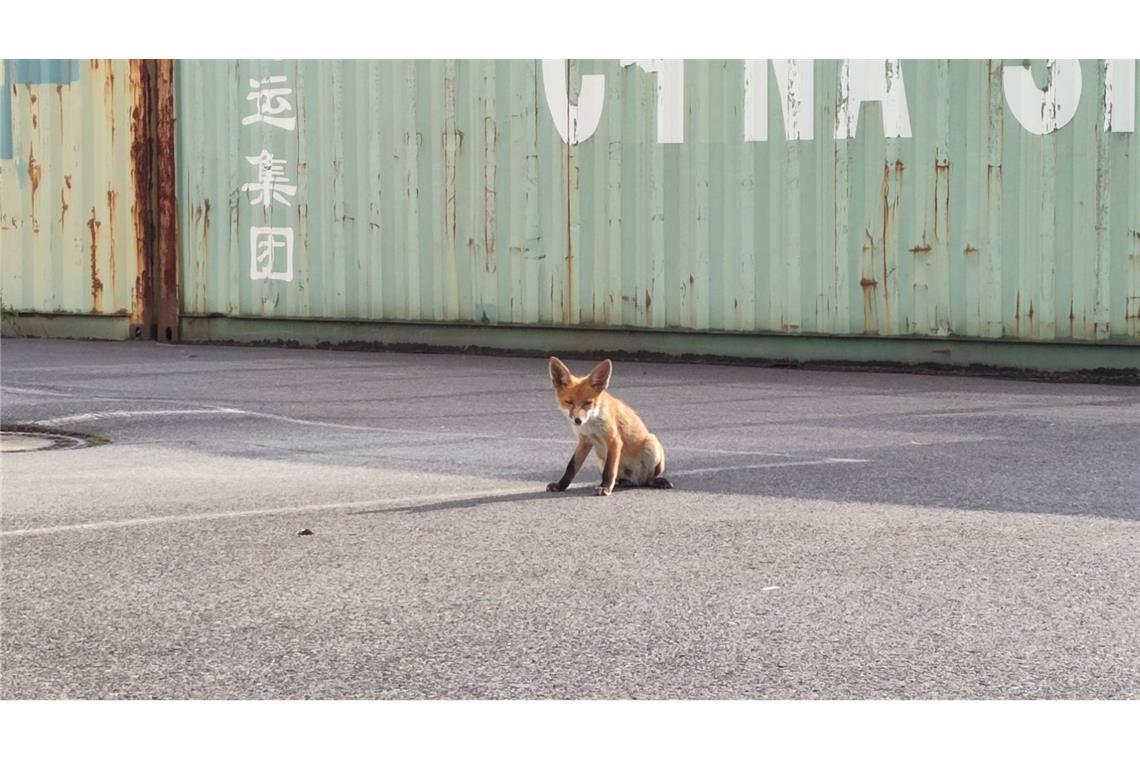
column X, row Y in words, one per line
column 63, row 204
column 886, row 234
column 111, row 196
column 142, row 207
column 166, row 251
column 109, row 97
column 448, row 277
column 93, row 225
column 942, row 199
column 490, row 192
column 35, row 174
column 869, row 284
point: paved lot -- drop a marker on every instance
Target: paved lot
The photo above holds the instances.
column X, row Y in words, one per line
column 832, row 535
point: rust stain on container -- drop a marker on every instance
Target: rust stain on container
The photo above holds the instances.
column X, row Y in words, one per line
column 869, row 283
column 111, row 198
column 109, row 102
column 35, row 174
column 941, row 198
column 993, row 180
column 490, row 197
column 63, row 205
column 889, row 218
column 73, row 190
column 108, row 88
column 144, row 190
column 165, row 253
column 96, row 284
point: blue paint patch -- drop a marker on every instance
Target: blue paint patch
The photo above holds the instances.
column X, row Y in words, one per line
column 29, row 71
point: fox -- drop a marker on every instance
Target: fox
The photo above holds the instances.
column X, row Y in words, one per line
column 627, row 452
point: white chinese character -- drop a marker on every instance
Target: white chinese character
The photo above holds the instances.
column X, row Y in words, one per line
column 270, row 180
column 270, row 102
column 264, row 261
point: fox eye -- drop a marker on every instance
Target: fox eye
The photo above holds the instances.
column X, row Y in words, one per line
column 586, row 405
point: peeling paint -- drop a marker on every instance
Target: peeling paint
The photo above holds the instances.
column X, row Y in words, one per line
column 670, row 95
column 1120, row 96
column 872, row 81
column 578, row 121
column 795, row 83
column 1042, row 111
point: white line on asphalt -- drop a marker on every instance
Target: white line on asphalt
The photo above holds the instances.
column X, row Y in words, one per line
column 32, row 391
column 367, row 428
column 736, row 452
column 87, row 417
column 160, row 520
column 766, row 465
column 209, row 409
column 555, row 441
column 491, row 436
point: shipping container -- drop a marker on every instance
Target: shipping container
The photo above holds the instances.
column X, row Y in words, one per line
column 70, row 221
column 949, row 211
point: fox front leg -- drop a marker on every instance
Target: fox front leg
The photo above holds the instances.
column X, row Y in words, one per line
column 572, row 467
column 609, row 470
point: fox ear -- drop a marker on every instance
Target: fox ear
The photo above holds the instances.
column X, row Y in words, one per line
column 559, row 373
column 599, row 376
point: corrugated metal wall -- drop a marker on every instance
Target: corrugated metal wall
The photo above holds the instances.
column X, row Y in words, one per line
column 442, row 191
column 426, row 190
column 69, row 225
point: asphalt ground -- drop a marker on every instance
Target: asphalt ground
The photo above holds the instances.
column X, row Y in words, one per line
column 831, row 535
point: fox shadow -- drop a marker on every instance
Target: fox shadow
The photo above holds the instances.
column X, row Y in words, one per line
column 532, row 494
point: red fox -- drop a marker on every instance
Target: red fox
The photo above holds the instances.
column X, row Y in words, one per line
column 628, row 453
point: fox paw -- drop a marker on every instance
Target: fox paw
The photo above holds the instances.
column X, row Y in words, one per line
column 553, row 487
column 602, row 491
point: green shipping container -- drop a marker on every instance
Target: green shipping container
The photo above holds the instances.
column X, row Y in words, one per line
column 934, row 210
